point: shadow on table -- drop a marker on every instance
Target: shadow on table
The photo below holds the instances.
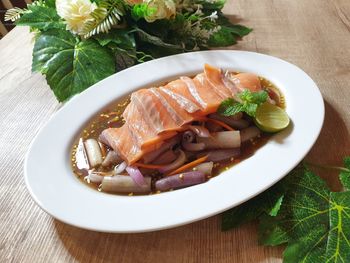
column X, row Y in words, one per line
column 331, row 146
column 202, row 241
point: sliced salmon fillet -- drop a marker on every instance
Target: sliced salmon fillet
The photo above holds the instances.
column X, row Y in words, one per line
column 157, row 114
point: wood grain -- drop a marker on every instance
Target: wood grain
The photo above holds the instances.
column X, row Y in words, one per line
column 313, row 34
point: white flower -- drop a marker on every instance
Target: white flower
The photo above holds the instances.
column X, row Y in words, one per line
column 213, row 16
column 162, row 9
column 76, row 13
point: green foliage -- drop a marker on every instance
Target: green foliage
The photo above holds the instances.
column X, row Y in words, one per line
column 312, row 220
column 139, row 11
column 345, row 173
column 154, row 40
column 70, row 65
column 119, row 29
column 268, row 202
column 40, row 17
column 246, row 101
column 105, row 16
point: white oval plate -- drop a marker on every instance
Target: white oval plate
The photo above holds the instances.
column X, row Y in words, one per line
column 53, row 186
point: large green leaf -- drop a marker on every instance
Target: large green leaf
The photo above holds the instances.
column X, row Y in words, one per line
column 70, row 65
column 345, row 173
column 268, row 202
column 40, row 17
column 315, row 220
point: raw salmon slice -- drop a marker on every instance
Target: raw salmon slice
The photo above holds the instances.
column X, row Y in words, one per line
column 157, row 114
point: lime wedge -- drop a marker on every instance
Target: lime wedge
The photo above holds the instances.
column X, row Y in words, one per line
column 271, row 118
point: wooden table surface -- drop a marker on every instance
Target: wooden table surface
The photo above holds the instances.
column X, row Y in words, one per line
column 313, row 34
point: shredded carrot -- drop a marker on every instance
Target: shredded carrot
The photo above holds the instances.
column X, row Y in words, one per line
column 189, row 165
column 222, row 124
column 149, row 166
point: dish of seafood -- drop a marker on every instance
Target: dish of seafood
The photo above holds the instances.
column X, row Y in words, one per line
column 176, row 135
column 172, row 141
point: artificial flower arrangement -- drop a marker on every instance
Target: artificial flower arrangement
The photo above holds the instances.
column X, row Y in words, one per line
column 80, row 42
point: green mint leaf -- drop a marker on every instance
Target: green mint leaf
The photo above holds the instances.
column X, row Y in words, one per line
column 259, row 97
column 41, row 17
column 70, row 65
column 344, row 176
column 229, row 107
column 245, row 95
column 250, row 102
column 253, row 97
column 250, row 108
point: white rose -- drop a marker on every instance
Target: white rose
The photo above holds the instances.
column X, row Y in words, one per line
column 163, row 9
column 76, row 13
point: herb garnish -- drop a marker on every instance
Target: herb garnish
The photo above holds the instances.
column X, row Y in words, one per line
column 303, row 212
column 245, row 101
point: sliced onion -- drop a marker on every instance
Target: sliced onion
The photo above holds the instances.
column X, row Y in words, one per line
column 249, row 133
column 180, row 180
column 120, row 168
column 97, row 177
column 111, row 158
column 93, row 152
column 151, row 156
column 193, row 147
column 181, row 159
column 200, row 131
column 124, row 184
column 81, row 158
column 221, row 155
column 165, row 158
column 188, row 136
column 136, row 175
column 232, row 121
column 222, row 140
column 205, row 168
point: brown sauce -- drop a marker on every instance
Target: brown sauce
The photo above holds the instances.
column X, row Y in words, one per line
column 111, row 116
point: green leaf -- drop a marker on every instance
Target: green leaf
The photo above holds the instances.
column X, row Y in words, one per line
column 40, row 17
column 222, row 38
column 70, row 65
column 338, row 245
column 154, row 40
column 212, row 5
column 314, row 221
column 345, row 174
column 268, row 235
column 268, row 202
column 240, row 30
column 139, row 11
column 229, row 107
column 249, row 103
column 124, row 59
column 122, row 38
